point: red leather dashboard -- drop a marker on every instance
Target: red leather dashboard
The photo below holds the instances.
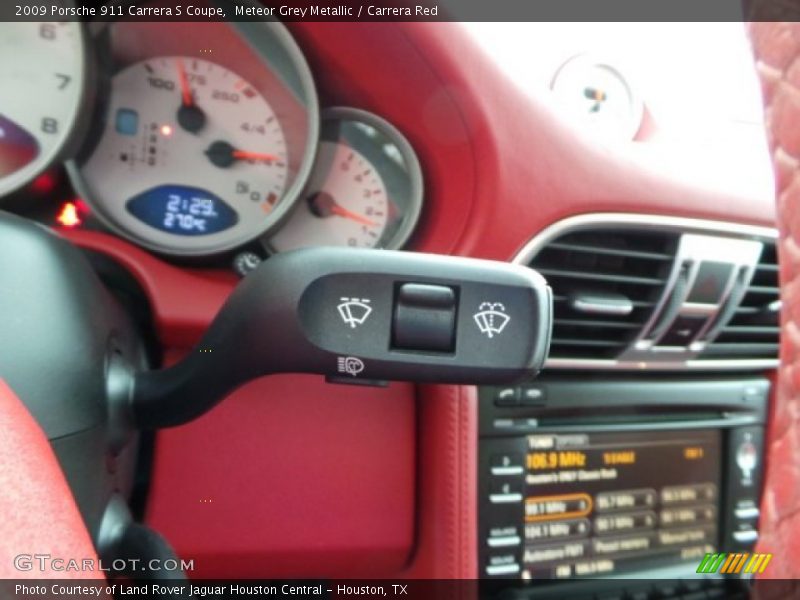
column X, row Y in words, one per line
column 293, row 477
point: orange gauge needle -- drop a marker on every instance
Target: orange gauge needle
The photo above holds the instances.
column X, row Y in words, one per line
column 186, row 91
column 190, row 117
column 224, row 155
column 244, row 155
column 338, row 209
column 323, row 205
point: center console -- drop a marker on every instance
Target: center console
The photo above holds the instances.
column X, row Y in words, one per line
column 617, row 477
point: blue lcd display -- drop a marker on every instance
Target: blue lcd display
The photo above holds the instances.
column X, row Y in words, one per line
column 126, row 121
column 182, row 210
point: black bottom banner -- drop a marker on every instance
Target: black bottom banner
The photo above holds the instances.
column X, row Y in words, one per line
column 416, row 589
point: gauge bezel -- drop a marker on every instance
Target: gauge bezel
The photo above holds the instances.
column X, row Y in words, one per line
column 302, row 71
column 416, row 182
column 586, row 60
column 78, row 123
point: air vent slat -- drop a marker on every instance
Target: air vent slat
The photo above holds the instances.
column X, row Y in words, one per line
column 761, row 289
column 587, row 323
column 586, row 343
column 738, row 350
column 608, row 262
column 610, row 251
column 602, row 277
column 753, row 331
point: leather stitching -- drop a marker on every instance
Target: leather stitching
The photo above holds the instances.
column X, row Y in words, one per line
column 777, row 50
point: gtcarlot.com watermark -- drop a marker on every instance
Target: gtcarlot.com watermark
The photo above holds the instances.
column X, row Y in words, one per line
column 49, row 563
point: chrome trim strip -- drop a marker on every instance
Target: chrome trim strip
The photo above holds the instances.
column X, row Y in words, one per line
column 515, row 470
column 745, row 537
column 710, row 364
column 509, row 569
column 659, row 223
column 639, row 221
column 510, row 498
column 748, row 512
column 702, row 310
column 599, row 308
column 504, row 542
column 694, row 249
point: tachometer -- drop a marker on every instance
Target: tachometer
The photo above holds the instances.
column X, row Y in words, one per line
column 199, row 155
column 42, row 81
column 365, row 190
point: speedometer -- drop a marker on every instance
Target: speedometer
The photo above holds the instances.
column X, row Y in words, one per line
column 222, row 134
column 42, row 69
column 200, row 154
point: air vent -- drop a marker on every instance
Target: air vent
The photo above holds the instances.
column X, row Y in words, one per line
column 606, row 284
column 664, row 293
column 753, row 330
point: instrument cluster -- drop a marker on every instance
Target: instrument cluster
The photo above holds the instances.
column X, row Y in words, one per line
column 196, row 149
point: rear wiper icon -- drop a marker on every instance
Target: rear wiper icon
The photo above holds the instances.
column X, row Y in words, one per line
column 491, row 318
column 354, row 311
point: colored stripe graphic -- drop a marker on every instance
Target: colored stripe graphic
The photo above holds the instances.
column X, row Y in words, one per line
column 734, row 563
column 728, row 563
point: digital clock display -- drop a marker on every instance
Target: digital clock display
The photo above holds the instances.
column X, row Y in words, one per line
column 182, row 210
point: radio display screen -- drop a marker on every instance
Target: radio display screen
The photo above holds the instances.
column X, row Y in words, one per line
column 600, row 503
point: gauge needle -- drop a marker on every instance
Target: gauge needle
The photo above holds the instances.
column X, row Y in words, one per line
column 244, row 155
column 223, row 155
column 190, row 117
column 186, row 92
column 341, row 211
column 323, row 205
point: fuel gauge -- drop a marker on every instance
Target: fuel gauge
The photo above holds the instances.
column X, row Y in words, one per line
column 365, row 190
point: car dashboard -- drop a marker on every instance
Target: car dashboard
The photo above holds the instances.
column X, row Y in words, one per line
column 632, row 175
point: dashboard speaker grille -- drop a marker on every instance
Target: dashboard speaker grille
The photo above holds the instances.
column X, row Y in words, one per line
column 754, row 328
column 606, row 284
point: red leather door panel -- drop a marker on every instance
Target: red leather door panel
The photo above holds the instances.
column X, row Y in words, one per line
column 777, row 48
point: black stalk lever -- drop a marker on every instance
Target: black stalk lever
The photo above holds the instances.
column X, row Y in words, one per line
column 356, row 315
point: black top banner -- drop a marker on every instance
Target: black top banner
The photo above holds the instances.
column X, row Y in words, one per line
column 403, row 10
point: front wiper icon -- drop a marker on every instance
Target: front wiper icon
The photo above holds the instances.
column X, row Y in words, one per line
column 354, row 311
